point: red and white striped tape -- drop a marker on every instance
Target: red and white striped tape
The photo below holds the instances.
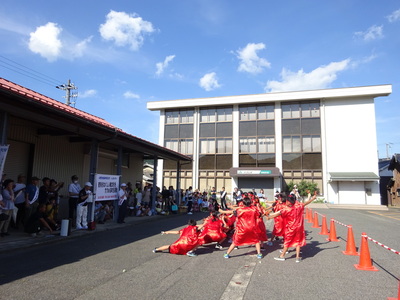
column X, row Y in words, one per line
column 336, row 221
column 380, row 244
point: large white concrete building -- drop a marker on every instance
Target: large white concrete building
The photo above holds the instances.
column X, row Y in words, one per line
column 267, row 140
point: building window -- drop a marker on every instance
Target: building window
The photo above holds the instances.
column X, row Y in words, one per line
column 303, row 110
column 301, row 142
column 172, row 117
column 248, row 145
column 178, row 133
column 207, row 146
column 178, row 116
column 184, row 146
column 224, row 114
column 258, row 112
column 266, row 144
column 224, row 145
column 207, row 115
column 257, row 135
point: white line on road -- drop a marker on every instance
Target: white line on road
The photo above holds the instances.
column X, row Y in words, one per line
column 239, row 282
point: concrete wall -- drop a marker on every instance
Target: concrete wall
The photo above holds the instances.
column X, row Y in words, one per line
column 351, row 146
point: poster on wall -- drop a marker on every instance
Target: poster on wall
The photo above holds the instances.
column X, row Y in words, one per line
column 106, row 187
column 3, row 155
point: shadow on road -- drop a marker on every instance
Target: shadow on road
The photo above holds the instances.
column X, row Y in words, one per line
column 29, row 261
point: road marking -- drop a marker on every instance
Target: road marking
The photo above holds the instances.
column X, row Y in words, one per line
column 239, row 282
column 387, row 215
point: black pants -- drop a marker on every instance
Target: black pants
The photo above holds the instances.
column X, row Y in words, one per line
column 72, row 203
column 223, row 204
column 122, row 212
column 189, row 205
column 20, row 214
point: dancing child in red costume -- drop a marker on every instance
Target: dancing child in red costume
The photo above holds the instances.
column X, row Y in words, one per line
column 293, row 216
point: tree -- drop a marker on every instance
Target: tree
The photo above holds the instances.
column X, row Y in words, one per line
column 303, row 186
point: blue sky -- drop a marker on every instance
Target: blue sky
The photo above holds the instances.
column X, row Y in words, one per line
column 121, row 54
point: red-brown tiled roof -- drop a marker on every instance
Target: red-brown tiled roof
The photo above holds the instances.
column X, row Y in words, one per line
column 44, row 100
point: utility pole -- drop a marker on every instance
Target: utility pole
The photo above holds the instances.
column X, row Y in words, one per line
column 388, row 145
column 68, row 95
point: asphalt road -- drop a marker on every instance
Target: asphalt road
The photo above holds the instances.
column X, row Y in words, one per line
column 119, row 264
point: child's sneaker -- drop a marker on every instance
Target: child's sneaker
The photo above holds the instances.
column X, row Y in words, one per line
column 298, row 259
column 226, row 255
column 154, row 250
column 259, row 256
column 191, row 254
column 218, row 246
column 279, row 258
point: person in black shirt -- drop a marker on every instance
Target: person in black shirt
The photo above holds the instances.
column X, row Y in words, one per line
column 37, row 221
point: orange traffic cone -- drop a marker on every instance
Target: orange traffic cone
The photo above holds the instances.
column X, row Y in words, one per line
column 316, row 222
column 310, row 220
column 324, row 228
column 350, row 246
column 332, row 232
column 398, row 295
column 365, row 262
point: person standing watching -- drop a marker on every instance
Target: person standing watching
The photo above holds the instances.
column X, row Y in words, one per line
column 81, row 208
column 32, row 195
column 8, row 200
column 19, row 192
column 73, row 191
column 122, row 203
column 223, row 199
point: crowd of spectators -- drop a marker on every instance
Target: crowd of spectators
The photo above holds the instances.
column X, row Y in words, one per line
column 35, row 207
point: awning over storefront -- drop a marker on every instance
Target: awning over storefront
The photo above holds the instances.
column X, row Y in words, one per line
column 255, row 172
column 353, row 176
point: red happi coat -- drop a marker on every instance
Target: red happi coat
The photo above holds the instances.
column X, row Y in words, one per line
column 230, row 222
column 279, row 222
column 261, row 230
column 294, row 231
column 188, row 240
column 212, row 232
column 247, row 227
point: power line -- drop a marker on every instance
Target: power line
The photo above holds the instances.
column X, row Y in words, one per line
column 28, row 72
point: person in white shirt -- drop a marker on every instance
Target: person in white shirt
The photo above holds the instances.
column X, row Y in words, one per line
column 73, row 191
column 84, row 197
column 122, row 203
column 20, row 196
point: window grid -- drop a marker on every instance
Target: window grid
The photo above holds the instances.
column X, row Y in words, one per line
column 304, row 110
column 259, row 112
column 179, row 116
column 220, row 114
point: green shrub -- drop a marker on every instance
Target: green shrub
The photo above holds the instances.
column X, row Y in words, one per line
column 303, row 186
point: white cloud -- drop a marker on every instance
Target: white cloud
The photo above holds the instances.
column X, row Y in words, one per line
column 125, row 29
column 12, row 25
column 45, row 41
column 249, row 60
column 319, row 78
column 394, row 16
column 88, row 94
column 161, row 66
column 209, row 82
column 372, row 33
column 131, row 95
column 80, row 48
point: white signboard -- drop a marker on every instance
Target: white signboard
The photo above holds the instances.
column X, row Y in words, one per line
column 253, row 172
column 106, row 187
column 3, row 155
